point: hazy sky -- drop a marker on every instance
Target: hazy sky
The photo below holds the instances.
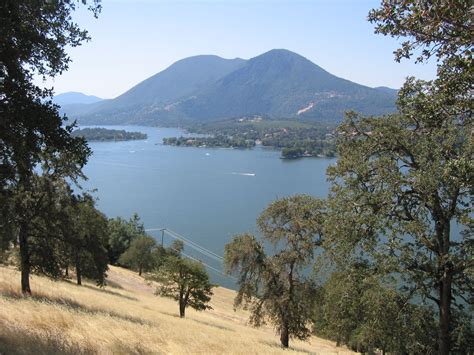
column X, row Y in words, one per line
column 134, row 39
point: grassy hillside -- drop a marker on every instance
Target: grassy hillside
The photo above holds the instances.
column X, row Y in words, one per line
column 125, row 317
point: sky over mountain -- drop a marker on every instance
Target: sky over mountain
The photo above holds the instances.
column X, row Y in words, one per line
column 132, row 40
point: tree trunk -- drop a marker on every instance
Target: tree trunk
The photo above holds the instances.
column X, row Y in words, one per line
column 25, row 261
column 140, row 271
column 182, row 308
column 284, row 335
column 66, row 272
column 445, row 288
column 78, row 274
column 445, row 314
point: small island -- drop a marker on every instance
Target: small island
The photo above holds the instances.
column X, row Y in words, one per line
column 108, row 135
column 219, row 141
column 295, row 139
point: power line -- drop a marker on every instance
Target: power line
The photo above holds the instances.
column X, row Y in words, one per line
column 210, row 267
column 195, row 246
column 188, row 242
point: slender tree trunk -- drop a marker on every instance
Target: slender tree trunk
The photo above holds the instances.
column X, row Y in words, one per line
column 140, row 271
column 66, row 272
column 182, row 308
column 445, row 313
column 445, row 291
column 78, row 274
column 24, row 260
column 284, row 335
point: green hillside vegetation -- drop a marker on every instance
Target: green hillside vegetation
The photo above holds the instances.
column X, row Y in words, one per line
column 106, row 135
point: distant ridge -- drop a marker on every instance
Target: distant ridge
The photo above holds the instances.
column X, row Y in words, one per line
column 73, row 97
column 278, row 83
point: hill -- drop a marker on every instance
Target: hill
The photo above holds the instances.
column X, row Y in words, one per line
column 281, row 83
column 125, row 317
column 155, row 98
column 278, row 83
column 72, row 97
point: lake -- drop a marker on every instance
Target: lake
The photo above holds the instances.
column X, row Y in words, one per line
column 204, row 194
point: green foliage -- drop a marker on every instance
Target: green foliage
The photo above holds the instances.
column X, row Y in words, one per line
column 34, row 38
column 275, row 287
column 86, row 240
column 356, row 309
column 403, row 182
column 185, row 281
column 121, row 234
column 104, row 135
column 292, row 153
column 140, row 255
column 176, row 247
column 440, row 28
column 64, row 229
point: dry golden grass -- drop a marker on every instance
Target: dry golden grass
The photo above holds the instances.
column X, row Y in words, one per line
column 125, row 317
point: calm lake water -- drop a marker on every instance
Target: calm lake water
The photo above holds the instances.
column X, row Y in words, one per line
column 206, row 195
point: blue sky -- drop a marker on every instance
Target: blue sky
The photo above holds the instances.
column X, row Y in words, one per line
column 134, row 39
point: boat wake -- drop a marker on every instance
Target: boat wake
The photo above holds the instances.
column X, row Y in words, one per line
column 243, row 174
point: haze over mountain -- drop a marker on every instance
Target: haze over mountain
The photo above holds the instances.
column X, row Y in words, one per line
column 73, row 97
column 278, row 83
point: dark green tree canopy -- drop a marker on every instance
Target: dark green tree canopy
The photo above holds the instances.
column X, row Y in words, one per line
column 358, row 308
column 121, row 235
column 402, row 192
column 140, row 255
column 34, row 36
column 86, row 242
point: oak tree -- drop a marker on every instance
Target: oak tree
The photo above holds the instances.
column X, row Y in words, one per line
column 276, row 286
column 185, row 281
column 34, row 36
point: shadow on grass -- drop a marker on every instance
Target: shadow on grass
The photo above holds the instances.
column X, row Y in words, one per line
column 170, row 314
column 20, row 342
column 275, row 345
column 114, row 284
column 79, row 307
column 209, row 324
column 109, row 292
column 218, row 326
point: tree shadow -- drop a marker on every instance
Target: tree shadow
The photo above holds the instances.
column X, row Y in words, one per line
column 109, row 292
column 114, row 284
column 218, row 326
column 275, row 345
column 72, row 304
column 22, row 342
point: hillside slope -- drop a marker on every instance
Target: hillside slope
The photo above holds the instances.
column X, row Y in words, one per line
column 278, row 83
column 156, row 97
column 125, row 317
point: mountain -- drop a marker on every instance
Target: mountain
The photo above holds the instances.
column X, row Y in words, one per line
column 72, row 97
column 278, row 83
